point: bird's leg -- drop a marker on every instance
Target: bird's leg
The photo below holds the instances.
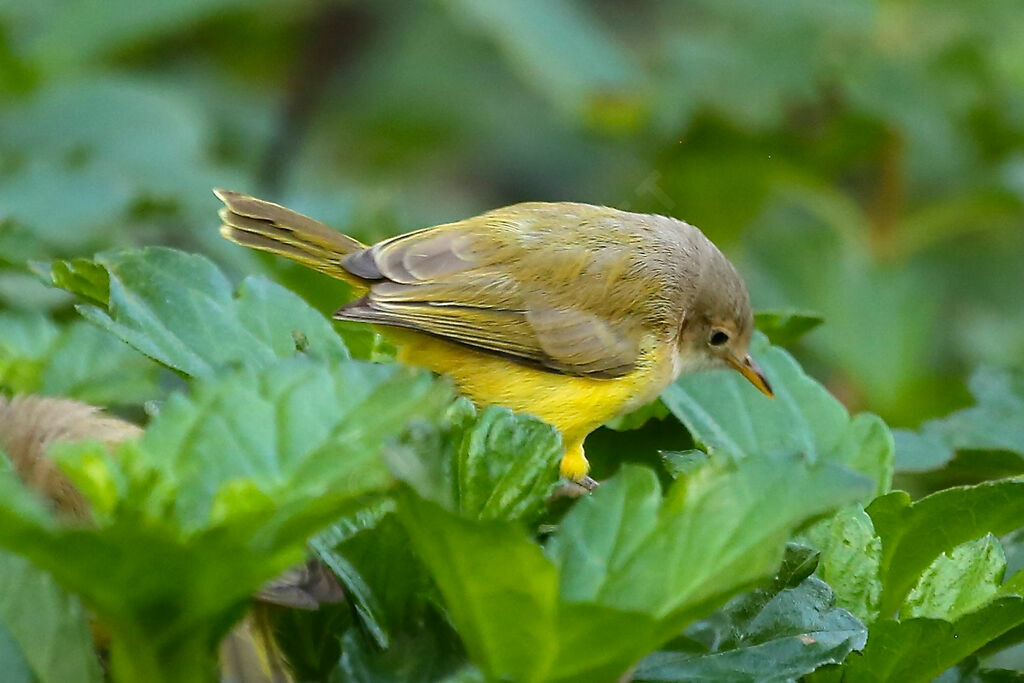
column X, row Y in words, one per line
column 574, row 467
column 574, row 464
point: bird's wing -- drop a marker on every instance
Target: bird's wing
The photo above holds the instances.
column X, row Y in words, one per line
column 478, row 284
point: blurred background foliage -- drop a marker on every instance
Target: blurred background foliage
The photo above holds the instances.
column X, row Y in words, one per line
column 861, row 160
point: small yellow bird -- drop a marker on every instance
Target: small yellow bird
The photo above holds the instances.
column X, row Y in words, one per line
column 570, row 312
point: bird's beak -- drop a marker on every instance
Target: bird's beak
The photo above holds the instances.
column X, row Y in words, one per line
column 749, row 368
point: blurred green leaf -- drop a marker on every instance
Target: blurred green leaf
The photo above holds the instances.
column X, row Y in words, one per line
column 425, row 656
column 562, row 51
column 47, row 626
column 12, row 662
column 655, row 410
column 684, row 462
column 129, row 132
column 729, row 417
column 994, row 425
column 812, row 250
column 24, row 339
column 95, row 367
column 784, row 327
column 84, row 31
column 78, row 361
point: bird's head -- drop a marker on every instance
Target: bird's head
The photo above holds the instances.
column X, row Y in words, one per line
column 718, row 325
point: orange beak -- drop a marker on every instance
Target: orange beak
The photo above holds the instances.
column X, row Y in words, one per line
column 749, row 368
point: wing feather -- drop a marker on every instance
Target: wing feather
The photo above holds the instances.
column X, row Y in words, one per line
column 491, row 285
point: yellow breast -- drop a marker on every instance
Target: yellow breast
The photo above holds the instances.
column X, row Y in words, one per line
column 574, row 405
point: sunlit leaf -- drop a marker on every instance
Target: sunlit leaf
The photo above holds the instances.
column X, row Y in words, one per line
column 958, row 581
column 850, row 558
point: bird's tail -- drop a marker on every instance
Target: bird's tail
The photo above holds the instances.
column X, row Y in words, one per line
column 270, row 227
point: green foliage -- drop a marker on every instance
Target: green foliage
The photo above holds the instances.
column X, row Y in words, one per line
column 861, row 160
column 180, row 310
column 784, row 327
column 46, row 626
column 927, row 578
column 920, row 649
column 913, row 534
column 626, row 567
column 731, row 419
column 78, row 360
column 228, row 482
column 985, row 441
column 221, row 493
column 778, row 632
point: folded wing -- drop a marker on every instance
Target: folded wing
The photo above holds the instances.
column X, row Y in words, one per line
column 490, row 284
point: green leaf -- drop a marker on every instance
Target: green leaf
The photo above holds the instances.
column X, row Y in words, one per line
column 298, row 429
column 79, row 276
column 488, row 465
column 977, row 435
column 914, row 534
column 811, row 248
column 627, row 567
column 24, row 340
column 920, row 649
column 427, row 655
column 958, row 581
column 91, row 365
column 86, row 32
column 180, row 310
column 784, row 327
column 502, row 595
column 851, row 554
column 728, row 417
column 343, row 546
column 500, row 590
column 47, row 625
column 917, row 452
column 120, row 136
column 685, row 462
column 12, row 661
column 222, row 493
column 655, row 410
column 774, row 634
column 78, row 361
column 627, row 548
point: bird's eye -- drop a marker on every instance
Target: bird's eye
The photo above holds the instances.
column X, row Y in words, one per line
column 718, row 337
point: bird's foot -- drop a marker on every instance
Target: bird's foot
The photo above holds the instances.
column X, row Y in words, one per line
column 574, row 489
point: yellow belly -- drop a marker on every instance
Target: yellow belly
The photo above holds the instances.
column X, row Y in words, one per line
column 576, row 406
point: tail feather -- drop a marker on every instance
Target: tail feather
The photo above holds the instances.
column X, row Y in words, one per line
column 270, row 227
